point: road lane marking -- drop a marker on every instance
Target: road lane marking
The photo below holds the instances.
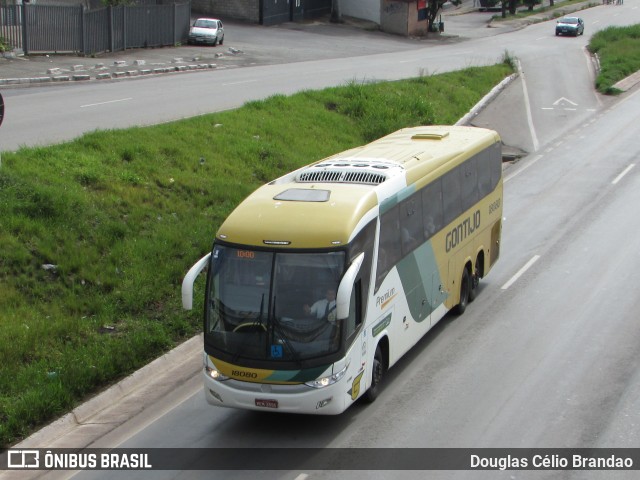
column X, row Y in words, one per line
column 527, row 104
column 563, row 99
column 624, row 172
column 239, row 83
column 105, row 103
column 521, row 272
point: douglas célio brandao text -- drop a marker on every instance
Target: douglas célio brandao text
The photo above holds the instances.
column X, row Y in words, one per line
column 551, row 462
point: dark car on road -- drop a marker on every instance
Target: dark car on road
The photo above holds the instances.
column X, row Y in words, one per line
column 570, row 26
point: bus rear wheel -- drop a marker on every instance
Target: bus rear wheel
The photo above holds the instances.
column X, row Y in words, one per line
column 465, row 288
column 377, row 374
column 475, row 281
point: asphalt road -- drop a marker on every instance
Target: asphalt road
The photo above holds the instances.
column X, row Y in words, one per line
column 545, row 357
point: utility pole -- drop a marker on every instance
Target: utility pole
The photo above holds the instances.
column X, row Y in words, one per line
column 336, row 14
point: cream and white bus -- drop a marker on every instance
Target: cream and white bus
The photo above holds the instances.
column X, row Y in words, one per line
column 322, row 279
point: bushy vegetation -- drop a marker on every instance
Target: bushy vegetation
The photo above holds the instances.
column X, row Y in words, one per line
column 98, row 233
column 4, row 45
column 618, row 49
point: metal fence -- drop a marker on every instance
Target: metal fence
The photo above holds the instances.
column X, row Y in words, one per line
column 64, row 29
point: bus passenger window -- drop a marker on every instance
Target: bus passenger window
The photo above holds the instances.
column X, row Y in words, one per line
column 484, row 174
column 469, row 183
column 451, row 193
column 411, row 231
column 432, row 208
column 389, row 251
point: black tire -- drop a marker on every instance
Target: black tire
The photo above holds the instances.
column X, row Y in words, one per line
column 475, row 281
column 222, row 40
column 465, row 288
column 377, row 374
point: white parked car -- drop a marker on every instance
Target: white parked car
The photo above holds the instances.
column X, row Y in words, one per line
column 206, row 30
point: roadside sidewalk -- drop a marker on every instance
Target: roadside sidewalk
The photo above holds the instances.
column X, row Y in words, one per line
column 42, row 69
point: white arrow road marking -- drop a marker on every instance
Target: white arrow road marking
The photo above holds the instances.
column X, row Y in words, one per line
column 562, row 99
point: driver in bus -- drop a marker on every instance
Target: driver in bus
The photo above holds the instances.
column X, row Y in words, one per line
column 323, row 308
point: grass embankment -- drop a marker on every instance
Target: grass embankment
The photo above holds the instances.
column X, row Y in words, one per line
column 97, row 233
column 618, row 49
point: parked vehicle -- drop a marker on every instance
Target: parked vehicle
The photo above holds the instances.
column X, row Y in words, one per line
column 206, row 30
column 489, row 5
column 570, row 26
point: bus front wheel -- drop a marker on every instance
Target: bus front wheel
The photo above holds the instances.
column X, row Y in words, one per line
column 377, row 374
column 465, row 288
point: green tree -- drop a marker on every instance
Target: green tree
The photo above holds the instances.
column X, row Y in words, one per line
column 433, row 8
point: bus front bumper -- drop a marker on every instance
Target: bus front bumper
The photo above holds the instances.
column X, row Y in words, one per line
column 330, row 400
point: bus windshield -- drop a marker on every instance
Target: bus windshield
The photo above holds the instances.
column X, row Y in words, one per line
column 273, row 306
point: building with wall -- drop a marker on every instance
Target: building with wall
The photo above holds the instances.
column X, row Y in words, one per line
column 402, row 17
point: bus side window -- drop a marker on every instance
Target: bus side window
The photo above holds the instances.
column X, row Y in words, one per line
column 432, row 208
column 412, row 233
column 484, row 173
column 496, row 164
column 469, row 183
column 451, row 193
column 389, row 251
column 363, row 243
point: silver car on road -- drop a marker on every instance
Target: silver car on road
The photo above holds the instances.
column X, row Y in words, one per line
column 206, row 30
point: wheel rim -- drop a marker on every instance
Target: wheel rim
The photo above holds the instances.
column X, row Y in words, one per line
column 476, row 276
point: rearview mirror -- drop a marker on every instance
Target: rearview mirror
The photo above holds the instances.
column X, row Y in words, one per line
column 343, row 297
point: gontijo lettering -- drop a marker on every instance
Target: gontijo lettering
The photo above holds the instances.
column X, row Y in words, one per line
column 462, row 230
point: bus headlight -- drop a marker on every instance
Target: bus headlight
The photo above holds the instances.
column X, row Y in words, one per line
column 326, row 381
column 214, row 373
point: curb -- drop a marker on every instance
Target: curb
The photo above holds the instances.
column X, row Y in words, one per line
column 628, row 83
column 105, row 75
column 488, row 98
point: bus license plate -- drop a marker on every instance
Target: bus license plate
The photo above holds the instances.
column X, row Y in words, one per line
column 262, row 402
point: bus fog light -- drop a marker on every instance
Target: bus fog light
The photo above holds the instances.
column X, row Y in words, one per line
column 326, row 381
column 215, row 395
column 323, row 403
